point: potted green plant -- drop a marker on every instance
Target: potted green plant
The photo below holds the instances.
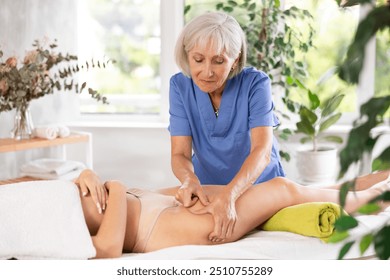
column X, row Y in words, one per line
column 318, row 161
column 361, row 140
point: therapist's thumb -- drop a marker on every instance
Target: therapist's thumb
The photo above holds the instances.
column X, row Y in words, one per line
column 203, row 198
column 188, row 200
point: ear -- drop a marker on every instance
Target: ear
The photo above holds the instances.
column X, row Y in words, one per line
column 236, row 61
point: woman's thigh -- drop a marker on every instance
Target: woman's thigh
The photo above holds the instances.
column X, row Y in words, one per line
column 257, row 204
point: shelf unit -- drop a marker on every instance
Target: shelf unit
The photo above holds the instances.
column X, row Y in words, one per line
column 8, row 145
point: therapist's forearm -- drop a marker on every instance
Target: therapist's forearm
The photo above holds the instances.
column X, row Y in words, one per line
column 250, row 170
column 183, row 169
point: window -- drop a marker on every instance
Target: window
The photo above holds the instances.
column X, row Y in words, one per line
column 129, row 32
column 334, row 28
column 382, row 64
column 140, row 35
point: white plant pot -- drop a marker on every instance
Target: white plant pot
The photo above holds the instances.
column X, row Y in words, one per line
column 317, row 167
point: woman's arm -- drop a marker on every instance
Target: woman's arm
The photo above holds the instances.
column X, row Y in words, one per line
column 108, row 230
column 182, row 167
column 257, row 160
column 223, row 206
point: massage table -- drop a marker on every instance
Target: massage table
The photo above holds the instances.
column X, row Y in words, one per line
column 258, row 244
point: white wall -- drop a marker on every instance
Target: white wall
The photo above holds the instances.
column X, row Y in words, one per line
column 22, row 22
column 138, row 156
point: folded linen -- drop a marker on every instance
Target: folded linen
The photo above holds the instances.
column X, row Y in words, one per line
column 47, row 168
column 51, row 131
column 314, row 219
column 48, row 132
column 63, row 131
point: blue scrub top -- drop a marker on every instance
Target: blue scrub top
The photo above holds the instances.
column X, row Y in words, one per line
column 222, row 144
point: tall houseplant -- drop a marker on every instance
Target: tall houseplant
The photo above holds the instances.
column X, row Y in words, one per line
column 318, row 161
column 361, row 140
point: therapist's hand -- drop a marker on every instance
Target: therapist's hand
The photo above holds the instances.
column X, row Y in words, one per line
column 223, row 210
column 189, row 193
column 89, row 182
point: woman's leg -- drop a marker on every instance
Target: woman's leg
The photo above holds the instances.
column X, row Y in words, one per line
column 262, row 201
column 365, row 181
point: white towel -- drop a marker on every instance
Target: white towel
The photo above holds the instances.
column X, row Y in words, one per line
column 63, row 131
column 46, row 168
column 49, row 132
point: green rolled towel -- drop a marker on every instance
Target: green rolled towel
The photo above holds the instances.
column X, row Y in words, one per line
column 314, row 219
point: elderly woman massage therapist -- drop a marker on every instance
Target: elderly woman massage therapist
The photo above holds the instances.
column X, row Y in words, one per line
column 222, row 112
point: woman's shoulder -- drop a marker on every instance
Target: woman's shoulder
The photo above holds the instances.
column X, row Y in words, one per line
column 252, row 72
column 180, row 77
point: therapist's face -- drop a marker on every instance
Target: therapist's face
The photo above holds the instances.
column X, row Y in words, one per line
column 209, row 69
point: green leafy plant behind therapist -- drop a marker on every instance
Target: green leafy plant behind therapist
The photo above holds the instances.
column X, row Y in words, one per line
column 221, row 119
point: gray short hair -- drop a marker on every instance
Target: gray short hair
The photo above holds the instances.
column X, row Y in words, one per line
column 222, row 29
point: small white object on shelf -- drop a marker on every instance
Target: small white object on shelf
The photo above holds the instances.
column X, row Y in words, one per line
column 48, row 132
column 51, row 132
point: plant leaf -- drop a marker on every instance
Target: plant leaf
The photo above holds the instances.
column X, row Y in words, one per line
column 83, row 85
column 377, row 18
column 382, row 197
column 305, row 127
column 345, row 223
column 328, row 122
column 344, row 189
column 285, row 156
column 333, row 138
column 338, row 236
column 299, row 84
column 232, row 3
column 359, row 140
column 304, row 140
column 330, row 105
column 369, row 208
column 365, row 243
column 314, row 100
column 382, row 162
column 382, row 243
column 307, row 115
column 344, row 250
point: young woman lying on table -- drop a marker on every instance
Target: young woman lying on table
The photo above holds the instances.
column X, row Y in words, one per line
column 137, row 220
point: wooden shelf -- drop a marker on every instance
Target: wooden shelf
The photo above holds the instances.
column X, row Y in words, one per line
column 10, row 145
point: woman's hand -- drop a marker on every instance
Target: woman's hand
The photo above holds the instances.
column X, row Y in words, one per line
column 89, row 182
column 223, row 210
column 189, row 193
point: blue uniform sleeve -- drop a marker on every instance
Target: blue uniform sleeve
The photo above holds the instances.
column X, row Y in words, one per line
column 261, row 107
column 178, row 119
